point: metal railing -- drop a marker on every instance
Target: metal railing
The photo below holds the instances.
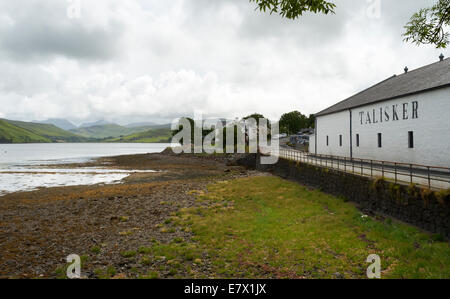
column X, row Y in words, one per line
column 432, row 177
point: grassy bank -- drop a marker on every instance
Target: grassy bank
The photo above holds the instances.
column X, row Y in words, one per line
column 26, row 132
column 266, row 227
column 10, row 133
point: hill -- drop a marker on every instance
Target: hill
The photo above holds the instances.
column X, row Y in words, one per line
column 141, row 124
column 95, row 124
column 104, row 131
column 46, row 131
column 149, row 125
column 58, row 122
column 114, row 130
column 163, row 126
column 150, row 136
column 12, row 131
column 12, row 134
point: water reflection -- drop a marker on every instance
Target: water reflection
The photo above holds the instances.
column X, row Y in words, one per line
column 27, row 167
column 13, row 180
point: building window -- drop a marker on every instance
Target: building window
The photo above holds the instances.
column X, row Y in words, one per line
column 340, row 140
column 357, row 140
column 411, row 139
column 380, row 144
column 328, row 141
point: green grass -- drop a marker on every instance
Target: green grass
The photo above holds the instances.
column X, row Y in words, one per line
column 50, row 132
column 10, row 133
column 128, row 254
column 24, row 132
column 107, row 273
column 266, row 227
column 96, row 249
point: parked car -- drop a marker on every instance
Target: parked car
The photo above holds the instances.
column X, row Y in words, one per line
column 299, row 139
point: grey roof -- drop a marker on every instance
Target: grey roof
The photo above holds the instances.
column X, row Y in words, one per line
column 433, row 76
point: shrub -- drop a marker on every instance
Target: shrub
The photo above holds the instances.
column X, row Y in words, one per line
column 396, row 192
column 378, row 183
column 414, row 191
column 427, row 196
column 443, row 196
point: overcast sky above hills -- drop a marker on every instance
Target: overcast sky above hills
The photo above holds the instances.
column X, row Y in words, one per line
column 154, row 60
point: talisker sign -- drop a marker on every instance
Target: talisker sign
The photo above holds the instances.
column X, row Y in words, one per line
column 389, row 113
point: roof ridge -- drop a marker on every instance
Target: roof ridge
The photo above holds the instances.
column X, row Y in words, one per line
column 436, row 73
column 349, row 98
column 422, row 67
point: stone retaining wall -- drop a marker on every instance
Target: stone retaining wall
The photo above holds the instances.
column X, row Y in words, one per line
column 421, row 207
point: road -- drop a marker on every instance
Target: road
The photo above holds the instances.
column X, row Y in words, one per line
column 436, row 178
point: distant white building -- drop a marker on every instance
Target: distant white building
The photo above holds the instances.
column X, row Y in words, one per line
column 405, row 118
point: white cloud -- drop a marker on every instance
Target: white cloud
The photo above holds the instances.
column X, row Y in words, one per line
column 157, row 60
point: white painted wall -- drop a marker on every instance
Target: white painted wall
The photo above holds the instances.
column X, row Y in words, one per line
column 333, row 125
column 312, row 143
column 431, row 131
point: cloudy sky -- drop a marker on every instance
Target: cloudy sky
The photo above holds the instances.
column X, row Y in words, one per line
column 156, row 60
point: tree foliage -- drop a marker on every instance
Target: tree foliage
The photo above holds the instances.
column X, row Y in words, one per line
column 311, row 121
column 430, row 25
column 292, row 9
column 427, row 26
column 293, row 122
column 255, row 116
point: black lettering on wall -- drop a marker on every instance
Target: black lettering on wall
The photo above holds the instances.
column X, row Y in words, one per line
column 368, row 121
column 374, row 117
column 405, row 111
column 415, row 113
column 394, row 112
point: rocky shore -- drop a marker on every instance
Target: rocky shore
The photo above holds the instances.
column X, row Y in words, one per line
column 104, row 224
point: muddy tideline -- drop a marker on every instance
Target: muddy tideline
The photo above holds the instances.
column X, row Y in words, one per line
column 102, row 223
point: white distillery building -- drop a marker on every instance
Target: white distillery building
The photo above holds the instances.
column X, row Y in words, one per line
column 405, row 118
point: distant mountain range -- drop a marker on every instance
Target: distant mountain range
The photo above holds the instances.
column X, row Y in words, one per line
column 114, row 130
column 58, row 122
column 104, row 131
column 94, row 124
column 67, row 125
column 142, row 124
column 151, row 136
column 50, row 131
